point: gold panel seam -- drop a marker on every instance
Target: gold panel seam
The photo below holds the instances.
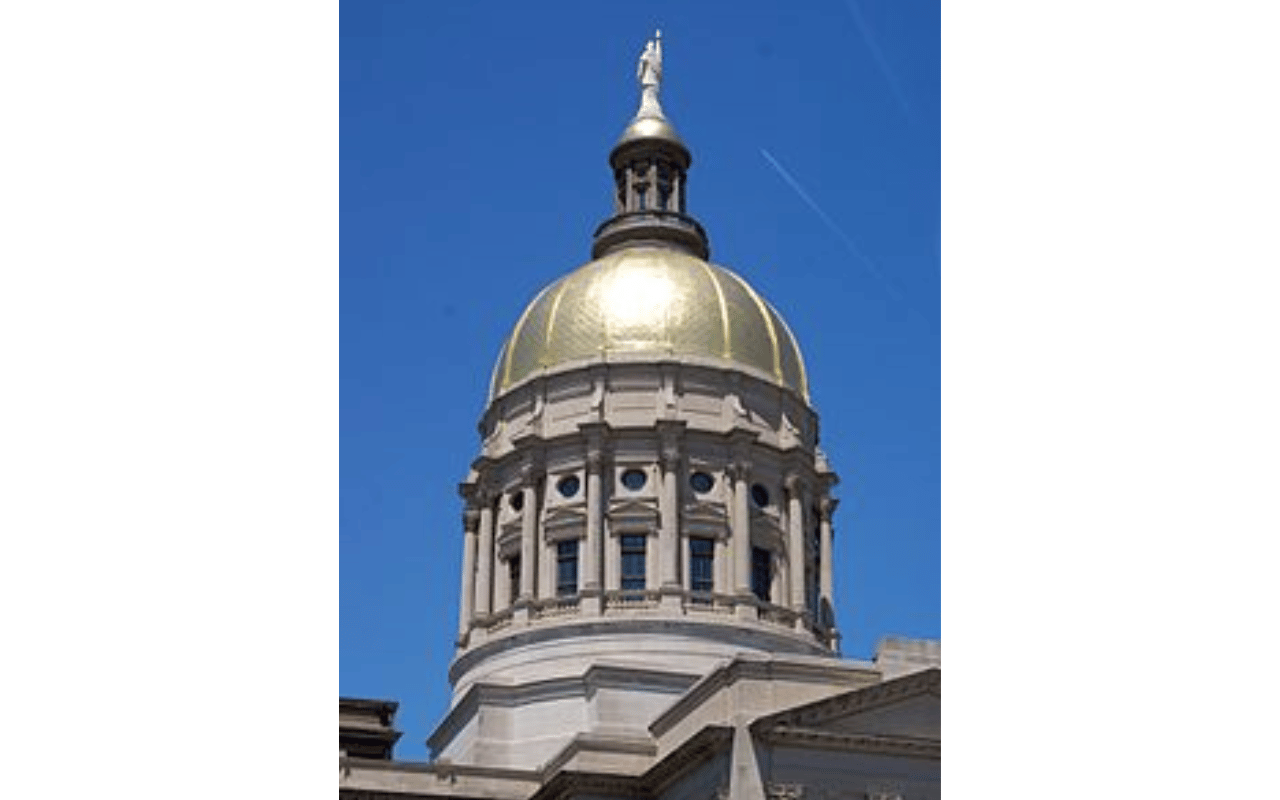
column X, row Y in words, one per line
column 768, row 324
column 724, row 308
column 551, row 321
column 515, row 336
column 795, row 348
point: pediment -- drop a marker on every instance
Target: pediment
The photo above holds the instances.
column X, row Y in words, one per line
column 707, row 519
column 563, row 518
column 702, row 510
column 633, row 514
column 903, row 710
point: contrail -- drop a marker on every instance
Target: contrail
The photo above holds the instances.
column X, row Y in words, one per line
column 878, row 57
column 830, row 223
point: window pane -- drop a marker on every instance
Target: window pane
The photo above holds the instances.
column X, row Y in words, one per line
column 567, row 568
column 633, row 562
column 701, row 565
column 761, row 572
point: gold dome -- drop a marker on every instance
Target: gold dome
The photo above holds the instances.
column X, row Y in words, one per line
column 650, row 301
column 648, row 128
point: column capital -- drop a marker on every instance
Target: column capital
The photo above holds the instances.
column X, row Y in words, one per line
column 486, row 493
column 597, row 436
column 739, row 470
column 827, row 507
column 530, row 468
column 795, row 483
column 471, row 519
column 469, row 489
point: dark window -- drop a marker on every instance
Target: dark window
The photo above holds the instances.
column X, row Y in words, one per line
column 761, row 572
column 633, row 552
column 811, row 592
column 701, row 482
column 513, row 573
column 760, row 496
column 634, row 479
column 568, row 485
column 702, row 554
column 517, row 501
column 567, row 568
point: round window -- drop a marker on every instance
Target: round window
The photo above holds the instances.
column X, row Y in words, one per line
column 701, row 482
column 568, row 485
column 516, row 500
column 634, row 479
column 760, row 496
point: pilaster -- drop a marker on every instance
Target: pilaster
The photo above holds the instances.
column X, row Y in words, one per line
column 528, row 538
column 466, row 607
column 591, row 578
column 826, row 508
column 670, row 434
column 484, row 555
column 796, row 492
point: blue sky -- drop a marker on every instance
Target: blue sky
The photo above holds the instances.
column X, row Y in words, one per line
column 474, row 139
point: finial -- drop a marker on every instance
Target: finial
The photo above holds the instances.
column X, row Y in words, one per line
column 649, row 73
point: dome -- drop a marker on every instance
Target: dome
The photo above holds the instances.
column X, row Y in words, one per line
column 650, row 302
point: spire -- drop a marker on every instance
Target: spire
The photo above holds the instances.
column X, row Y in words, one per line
column 650, row 163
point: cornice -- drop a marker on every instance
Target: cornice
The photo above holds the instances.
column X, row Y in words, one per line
column 871, row 744
column 590, row 742
column 745, row 448
column 916, row 684
column 756, row 635
column 596, row 677
column 761, row 669
column 594, row 368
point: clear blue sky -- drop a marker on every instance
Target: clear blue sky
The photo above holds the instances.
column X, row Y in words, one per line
column 474, row 139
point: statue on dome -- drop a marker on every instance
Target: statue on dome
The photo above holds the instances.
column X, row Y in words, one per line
column 649, row 73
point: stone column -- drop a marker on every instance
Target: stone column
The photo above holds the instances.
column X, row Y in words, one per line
column 795, row 545
column 484, row 570
column 612, row 562
column 686, row 581
column 501, row 584
column 593, row 546
column 547, row 568
column 827, row 508
column 669, row 518
column 595, row 512
column 723, row 564
column 741, row 545
column 466, row 603
column 528, row 543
